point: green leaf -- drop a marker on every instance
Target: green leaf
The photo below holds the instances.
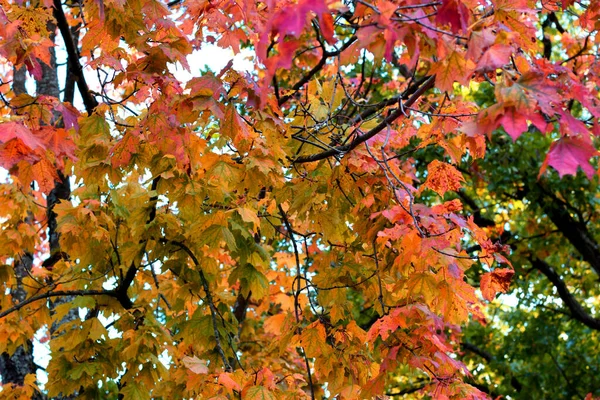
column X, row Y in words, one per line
column 251, row 280
column 258, row 393
column 218, row 233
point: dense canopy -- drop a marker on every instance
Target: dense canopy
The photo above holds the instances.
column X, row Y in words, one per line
column 334, row 219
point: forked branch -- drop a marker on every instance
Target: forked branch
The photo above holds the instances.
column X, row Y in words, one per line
column 75, row 68
column 399, row 112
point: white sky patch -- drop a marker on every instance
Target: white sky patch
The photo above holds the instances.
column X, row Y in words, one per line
column 509, row 300
column 215, row 58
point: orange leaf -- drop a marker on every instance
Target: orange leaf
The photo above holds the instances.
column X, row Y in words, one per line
column 226, row 380
column 274, row 324
column 235, row 128
column 442, row 177
column 14, row 151
column 45, row 175
column 496, row 281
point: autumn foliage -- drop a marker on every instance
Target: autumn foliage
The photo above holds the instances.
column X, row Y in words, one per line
column 296, row 230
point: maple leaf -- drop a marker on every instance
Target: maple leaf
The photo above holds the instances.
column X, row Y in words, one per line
column 60, row 142
column 494, row 57
column 258, row 393
column 45, row 174
column 275, row 323
column 569, row 153
column 509, row 16
column 69, row 114
column 135, row 391
column 15, row 130
column 266, row 213
column 452, row 67
column 252, row 280
column 313, row 339
column 514, row 122
column 442, row 177
column 423, row 284
column 532, row 86
column 249, row 215
column 387, row 324
column 124, row 149
column 496, row 281
column 236, row 129
column 226, row 380
column 454, row 13
column 14, row 151
column 292, row 20
column 195, row 364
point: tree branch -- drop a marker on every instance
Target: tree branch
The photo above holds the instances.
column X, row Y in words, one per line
column 343, row 149
column 209, row 300
column 290, row 234
column 480, row 220
column 577, row 310
column 488, row 357
column 409, row 390
column 371, row 109
column 304, row 80
column 476, row 350
column 127, row 280
column 575, row 231
column 57, row 293
column 75, row 68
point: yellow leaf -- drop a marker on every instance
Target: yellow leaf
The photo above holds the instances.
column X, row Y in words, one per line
column 249, row 215
column 314, row 339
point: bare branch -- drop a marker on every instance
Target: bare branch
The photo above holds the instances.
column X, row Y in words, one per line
column 304, row 80
column 476, row 350
column 290, row 234
column 343, row 149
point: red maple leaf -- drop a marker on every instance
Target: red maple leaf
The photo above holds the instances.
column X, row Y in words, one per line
column 494, row 57
column 568, row 153
column 514, row 122
column 453, row 13
column 15, row 130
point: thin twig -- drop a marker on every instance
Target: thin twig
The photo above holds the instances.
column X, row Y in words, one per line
column 288, row 226
column 209, row 300
column 343, row 149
